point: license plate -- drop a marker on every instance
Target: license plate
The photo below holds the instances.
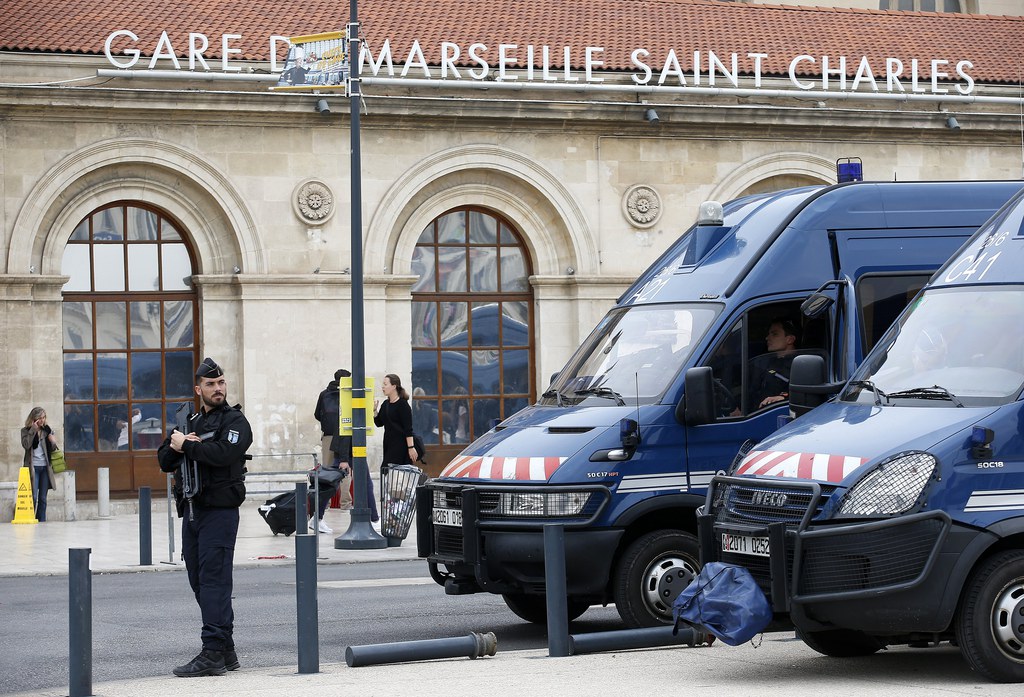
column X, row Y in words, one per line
column 452, row 517
column 745, row 544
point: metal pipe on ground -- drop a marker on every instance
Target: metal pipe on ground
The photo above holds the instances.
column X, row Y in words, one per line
column 650, row 637
column 79, row 622
column 473, row 645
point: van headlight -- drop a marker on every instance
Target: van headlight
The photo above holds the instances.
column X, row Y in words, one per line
column 892, row 487
column 560, row 504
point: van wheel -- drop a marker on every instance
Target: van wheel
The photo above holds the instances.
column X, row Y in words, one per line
column 654, row 569
column 534, row 608
column 990, row 623
column 841, row 643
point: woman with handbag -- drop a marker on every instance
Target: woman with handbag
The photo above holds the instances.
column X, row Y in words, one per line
column 39, row 442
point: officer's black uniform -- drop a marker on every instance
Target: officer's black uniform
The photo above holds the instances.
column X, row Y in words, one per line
column 209, row 529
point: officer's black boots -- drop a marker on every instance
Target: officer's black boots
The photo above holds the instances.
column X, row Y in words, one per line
column 231, row 659
column 206, row 663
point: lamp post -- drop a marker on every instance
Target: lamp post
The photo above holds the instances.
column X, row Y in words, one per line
column 360, row 534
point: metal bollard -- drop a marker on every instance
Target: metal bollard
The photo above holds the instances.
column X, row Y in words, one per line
column 555, row 590
column 170, row 523
column 79, row 622
column 649, row 637
column 145, row 526
column 472, row 645
column 300, row 508
column 307, row 622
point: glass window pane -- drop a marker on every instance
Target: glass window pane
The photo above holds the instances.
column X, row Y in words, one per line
column 148, row 430
column 507, row 236
column 514, row 327
column 78, row 428
column 423, row 266
column 81, row 232
column 455, row 420
column 108, row 225
column 427, row 236
column 145, row 324
column 454, row 324
column 168, row 231
column 78, row 376
column 424, row 419
column 483, row 228
column 77, row 324
column 483, row 269
column 515, row 370
column 146, row 376
column 141, row 224
column 424, row 324
column 142, row 268
column 485, row 372
column 177, row 267
column 927, row 5
column 513, row 271
column 113, row 423
column 110, row 326
column 454, row 372
column 75, row 263
column 451, row 270
column 451, row 228
column 424, row 371
column 485, row 324
column 179, row 377
column 108, row 273
column 485, row 413
column 170, row 415
column 178, row 326
column 111, row 375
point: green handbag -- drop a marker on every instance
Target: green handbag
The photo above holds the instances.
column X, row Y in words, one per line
column 57, row 461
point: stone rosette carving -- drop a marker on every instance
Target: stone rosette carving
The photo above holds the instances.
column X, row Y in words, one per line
column 313, row 202
column 641, row 205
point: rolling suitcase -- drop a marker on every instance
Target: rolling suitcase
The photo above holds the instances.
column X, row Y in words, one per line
column 279, row 512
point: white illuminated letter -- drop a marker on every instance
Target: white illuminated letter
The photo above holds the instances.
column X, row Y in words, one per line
column 567, row 64
column 893, row 70
column 226, row 51
column 936, row 74
column 714, row 62
column 164, row 50
column 671, row 67
column 416, row 58
column 276, row 39
column 792, row 72
column 505, row 59
column 133, row 52
column 864, row 73
column 474, row 55
column 758, row 57
column 384, row 57
column 968, row 85
column 449, row 54
column 840, row 72
column 635, row 58
column 592, row 63
column 195, row 52
column 914, row 87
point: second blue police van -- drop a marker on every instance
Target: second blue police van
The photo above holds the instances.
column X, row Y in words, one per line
column 692, row 361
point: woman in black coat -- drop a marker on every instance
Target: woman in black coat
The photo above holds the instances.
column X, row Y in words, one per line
column 395, row 417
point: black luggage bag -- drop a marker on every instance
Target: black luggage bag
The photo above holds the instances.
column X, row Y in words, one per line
column 279, row 512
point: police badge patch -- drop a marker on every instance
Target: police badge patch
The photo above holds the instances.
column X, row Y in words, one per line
column 232, row 437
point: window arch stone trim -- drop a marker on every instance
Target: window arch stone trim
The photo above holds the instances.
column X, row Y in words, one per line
column 223, row 229
column 773, row 165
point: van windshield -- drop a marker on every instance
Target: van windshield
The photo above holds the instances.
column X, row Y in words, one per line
column 632, row 356
column 956, row 347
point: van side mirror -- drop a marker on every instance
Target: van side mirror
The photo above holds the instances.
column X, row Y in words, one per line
column 807, row 371
column 698, row 404
column 815, row 305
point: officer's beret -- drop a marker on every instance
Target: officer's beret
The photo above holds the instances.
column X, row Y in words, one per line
column 208, row 369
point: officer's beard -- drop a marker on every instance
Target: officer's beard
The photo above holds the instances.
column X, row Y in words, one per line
column 215, row 401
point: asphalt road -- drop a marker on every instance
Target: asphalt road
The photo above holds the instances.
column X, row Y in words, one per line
column 146, row 623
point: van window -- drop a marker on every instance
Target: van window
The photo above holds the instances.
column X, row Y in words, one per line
column 881, row 299
column 751, row 364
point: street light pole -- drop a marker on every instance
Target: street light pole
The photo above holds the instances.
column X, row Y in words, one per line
column 360, row 534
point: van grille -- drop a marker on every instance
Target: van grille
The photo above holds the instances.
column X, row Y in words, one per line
column 761, row 502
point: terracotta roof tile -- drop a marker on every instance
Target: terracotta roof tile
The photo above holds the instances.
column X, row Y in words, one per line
column 619, row 26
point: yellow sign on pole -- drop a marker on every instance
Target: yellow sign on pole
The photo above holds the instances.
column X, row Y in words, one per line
column 348, row 404
column 25, row 510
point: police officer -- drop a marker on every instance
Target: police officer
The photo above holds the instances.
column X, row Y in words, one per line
column 217, row 440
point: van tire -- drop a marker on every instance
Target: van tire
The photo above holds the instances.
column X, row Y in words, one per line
column 841, row 643
column 990, row 625
column 652, row 571
column 533, row 608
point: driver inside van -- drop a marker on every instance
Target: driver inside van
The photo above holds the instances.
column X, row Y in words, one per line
column 769, row 381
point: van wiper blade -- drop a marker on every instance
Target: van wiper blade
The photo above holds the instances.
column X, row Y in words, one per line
column 933, row 392
column 871, row 386
column 554, row 393
column 605, row 392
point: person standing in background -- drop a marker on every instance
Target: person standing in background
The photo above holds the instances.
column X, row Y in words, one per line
column 328, row 413
column 38, row 440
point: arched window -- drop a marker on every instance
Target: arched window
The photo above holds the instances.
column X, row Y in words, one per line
column 471, row 326
column 129, row 338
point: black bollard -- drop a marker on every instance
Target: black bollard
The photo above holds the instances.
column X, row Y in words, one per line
column 301, row 524
column 649, row 637
column 145, row 526
column 79, row 622
column 307, row 622
column 472, row 645
column 554, row 589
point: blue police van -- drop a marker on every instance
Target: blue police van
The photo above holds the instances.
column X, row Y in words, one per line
column 615, row 453
column 894, row 512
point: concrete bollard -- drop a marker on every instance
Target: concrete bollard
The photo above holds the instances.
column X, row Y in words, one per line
column 70, row 495
column 471, row 646
column 103, row 492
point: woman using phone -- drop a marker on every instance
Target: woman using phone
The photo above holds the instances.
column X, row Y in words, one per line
column 39, row 441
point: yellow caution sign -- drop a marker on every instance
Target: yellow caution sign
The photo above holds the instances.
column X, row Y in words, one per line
column 24, row 510
column 348, row 403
